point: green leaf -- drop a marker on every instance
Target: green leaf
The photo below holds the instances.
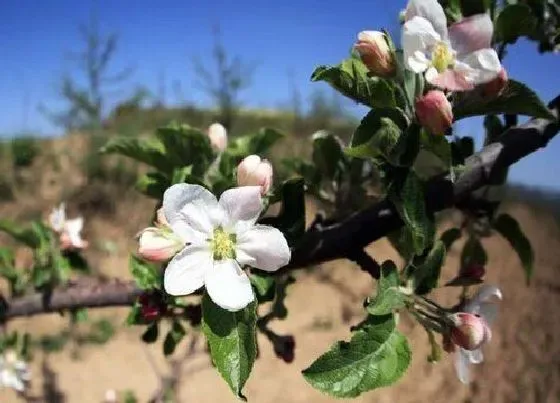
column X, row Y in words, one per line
column 145, row 274
column 327, row 153
column 351, row 80
column 232, row 340
column 151, row 333
column 79, row 315
column 437, row 145
column 408, row 198
column 388, row 297
column 509, row 228
column 514, row 21
column 174, row 337
column 26, row 236
column 263, row 141
column 149, row 151
column 473, row 253
column 186, row 146
column 427, row 270
column 516, row 98
column 401, row 240
column 134, row 316
column 435, row 348
column 153, row 184
column 384, row 136
column 264, row 285
column 450, row 236
column 376, row 356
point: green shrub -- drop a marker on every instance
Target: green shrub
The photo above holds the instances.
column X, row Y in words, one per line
column 24, row 151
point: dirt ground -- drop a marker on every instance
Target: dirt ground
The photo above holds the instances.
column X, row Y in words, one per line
column 522, row 363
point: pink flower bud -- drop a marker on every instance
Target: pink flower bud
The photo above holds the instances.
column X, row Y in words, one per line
column 158, row 245
column 376, row 53
column 495, row 87
column 253, row 171
column 473, row 271
column 469, row 331
column 218, row 136
column 434, row 112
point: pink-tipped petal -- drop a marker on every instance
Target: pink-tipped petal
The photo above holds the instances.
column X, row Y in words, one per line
column 451, row 80
column 471, row 34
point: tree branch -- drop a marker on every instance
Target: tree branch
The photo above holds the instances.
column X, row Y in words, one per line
column 344, row 239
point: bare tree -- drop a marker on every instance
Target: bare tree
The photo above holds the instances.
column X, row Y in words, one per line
column 87, row 101
column 231, row 76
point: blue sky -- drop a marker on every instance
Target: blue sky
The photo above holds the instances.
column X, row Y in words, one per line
column 159, row 39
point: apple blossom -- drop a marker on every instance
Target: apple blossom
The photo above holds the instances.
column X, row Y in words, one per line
column 376, row 53
column 434, row 112
column 253, row 171
column 69, row 230
column 221, row 237
column 482, row 304
column 455, row 59
column 218, row 136
column 13, row 371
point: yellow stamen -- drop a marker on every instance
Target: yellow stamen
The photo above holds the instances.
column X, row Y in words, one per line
column 223, row 244
column 442, row 57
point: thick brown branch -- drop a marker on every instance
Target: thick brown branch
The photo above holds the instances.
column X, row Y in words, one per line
column 87, row 294
column 345, row 239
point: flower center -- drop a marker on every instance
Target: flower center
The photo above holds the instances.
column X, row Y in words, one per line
column 223, row 244
column 442, row 57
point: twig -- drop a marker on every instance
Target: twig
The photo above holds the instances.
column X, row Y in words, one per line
column 344, row 239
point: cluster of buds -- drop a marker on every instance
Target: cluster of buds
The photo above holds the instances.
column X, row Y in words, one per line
column 69, row 231
column 152, row 305
column 375, row 52
column 218, row 137
column 254, row 171
column 159, row 243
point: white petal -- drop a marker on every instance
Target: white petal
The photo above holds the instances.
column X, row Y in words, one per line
column 432, row 11
column 190, row 211
column 185, row 272
column 431, row 74
column 462, row 363
column 485, row 64
column 487, row 293
column 267, row 247
column 489, row 311
column 242, row 204
column 471, row 33
column 475, row 356
column 418, row 38
column 228, row 286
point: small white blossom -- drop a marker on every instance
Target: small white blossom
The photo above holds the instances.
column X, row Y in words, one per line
column 57, row 218
column 456, row 59
column 68, row 230
column 13, row 371
column 221, row 237
column 483, row 303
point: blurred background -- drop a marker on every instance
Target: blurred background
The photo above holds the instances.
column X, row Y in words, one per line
column 73, row 74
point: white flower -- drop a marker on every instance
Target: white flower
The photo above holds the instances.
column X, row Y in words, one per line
column 13, row 372
column 483, row 304
column 57, row 218
column 456, row 59
column 222, row 237
column 71, row 237
column 69, row 230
